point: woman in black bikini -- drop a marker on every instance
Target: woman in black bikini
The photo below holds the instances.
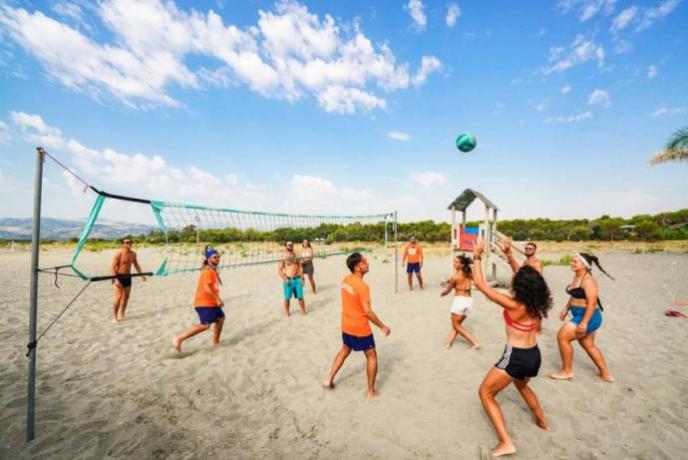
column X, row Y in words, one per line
column 523, row 310
column 585, row 307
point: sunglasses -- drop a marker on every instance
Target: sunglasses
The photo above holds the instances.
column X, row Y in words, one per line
column 126, row 242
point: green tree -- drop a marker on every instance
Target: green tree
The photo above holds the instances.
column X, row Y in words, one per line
column 580, row 233
column 648, row 230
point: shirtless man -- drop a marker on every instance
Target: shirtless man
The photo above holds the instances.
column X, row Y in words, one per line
column 291, row 272
column 121, row 269
column 531, row 259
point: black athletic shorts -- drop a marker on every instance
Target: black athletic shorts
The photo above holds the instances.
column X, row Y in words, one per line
column 125, row 280
column 520, row 363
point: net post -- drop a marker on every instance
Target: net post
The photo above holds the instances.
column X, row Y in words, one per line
column 33, row 295
column 396, row 256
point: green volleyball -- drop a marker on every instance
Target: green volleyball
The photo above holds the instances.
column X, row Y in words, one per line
column 466, row 142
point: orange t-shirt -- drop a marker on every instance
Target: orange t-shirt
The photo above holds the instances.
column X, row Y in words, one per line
column 207, row 277
column 355, row 292
column 413, row 254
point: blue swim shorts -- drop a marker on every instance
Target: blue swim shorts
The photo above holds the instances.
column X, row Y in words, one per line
column 293, row 288
column 209, row 315
column 413, row 268
column 358, row 343
column 594, row 323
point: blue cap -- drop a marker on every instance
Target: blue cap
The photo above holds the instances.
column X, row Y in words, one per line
column 210, row 252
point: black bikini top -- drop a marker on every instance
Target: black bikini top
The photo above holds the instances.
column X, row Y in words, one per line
column 579, row 293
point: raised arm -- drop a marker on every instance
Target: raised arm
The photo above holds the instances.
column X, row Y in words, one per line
column 502, row 300
column 506, row 249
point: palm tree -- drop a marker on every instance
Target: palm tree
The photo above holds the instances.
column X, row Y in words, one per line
column 675, row 150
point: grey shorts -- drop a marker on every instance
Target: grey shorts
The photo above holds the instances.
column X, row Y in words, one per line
column 308, row 268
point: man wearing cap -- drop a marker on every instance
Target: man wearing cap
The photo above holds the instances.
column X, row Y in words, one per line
column 207, row 301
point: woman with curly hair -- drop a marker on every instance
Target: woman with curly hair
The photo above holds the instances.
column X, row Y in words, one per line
column 523, row 310
column 586, row 317
column 462, row 305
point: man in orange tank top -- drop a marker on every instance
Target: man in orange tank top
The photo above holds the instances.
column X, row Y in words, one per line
column 413, row 259
column 207, row 302
column 357, row 314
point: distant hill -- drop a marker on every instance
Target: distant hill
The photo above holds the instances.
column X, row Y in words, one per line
column 61, row 229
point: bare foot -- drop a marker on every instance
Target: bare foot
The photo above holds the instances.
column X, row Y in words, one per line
column 214, row 343
column 542, row 424
column 448, row 346
column 502, row 448
column 121, row 318
column 605, row 378
column 475, row 347
column 373, row 394
column 115, row 321
column 177, row 344
column 303, row 311
column 329, row 384
column 561, row 375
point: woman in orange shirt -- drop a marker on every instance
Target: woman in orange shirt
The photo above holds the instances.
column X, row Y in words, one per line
column 207, row 301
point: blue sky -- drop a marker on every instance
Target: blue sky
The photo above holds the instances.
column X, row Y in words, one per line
column 346, row 107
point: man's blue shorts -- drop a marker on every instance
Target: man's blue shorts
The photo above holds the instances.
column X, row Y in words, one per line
column 358, row 343
column 413, row 268
column 209, row 315
column 293, row 287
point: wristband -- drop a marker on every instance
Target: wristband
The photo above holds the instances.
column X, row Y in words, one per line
column 477, row 258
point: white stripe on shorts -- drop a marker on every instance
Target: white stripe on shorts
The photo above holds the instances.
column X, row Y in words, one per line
column 505, row 359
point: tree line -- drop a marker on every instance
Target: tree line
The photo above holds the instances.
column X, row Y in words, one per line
column 645, row 227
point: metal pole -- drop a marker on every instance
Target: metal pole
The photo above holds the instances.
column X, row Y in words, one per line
column 386, row 217
column 33, row 295
column 396, row 255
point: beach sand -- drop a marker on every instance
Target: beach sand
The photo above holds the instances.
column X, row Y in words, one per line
column 118, row 391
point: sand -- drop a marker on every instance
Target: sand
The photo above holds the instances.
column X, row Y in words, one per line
column 113, row 391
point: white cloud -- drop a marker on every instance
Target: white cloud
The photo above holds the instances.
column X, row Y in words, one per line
column 587, row 9
column 669, row 111
column 415, row 9
column 340, row 99
column 453, row 14
column 541, row 32
column 566, row 89
column 290, row 53
column 4, row 133
column 580, row 51
column 652, row 72
column 541, row 106
column 148, row 174
column 622, row 46
column 651, row 15
column 429, row 178
column 623, row 19
column 571, row 119
column 599, row 97
column 398, row 136
column 428, row 65
column 315, row 194
column 499, row 108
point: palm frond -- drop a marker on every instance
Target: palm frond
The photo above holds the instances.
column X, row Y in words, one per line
column 669, row 155
column 679, row 140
